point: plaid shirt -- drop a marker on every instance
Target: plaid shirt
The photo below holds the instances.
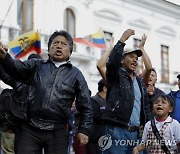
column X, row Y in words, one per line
column 165, row 129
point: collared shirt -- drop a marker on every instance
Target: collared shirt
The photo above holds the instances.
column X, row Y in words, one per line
column 57, row 64
column 135, row 116
column 171, row 134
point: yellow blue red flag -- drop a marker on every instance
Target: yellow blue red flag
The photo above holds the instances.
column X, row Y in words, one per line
column 24, row 44
column 96, row 40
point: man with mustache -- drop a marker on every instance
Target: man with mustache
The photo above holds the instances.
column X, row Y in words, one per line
column 52, row 90
column 127, row 100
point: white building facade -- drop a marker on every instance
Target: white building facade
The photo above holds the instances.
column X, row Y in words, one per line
column 158, row 19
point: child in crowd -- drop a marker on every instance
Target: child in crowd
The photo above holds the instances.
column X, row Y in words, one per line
column 168, row 128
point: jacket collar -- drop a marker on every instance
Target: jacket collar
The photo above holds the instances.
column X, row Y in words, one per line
column 58, row 64
column 125, row 72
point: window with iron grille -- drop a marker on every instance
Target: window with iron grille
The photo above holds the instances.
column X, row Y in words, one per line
column 164, row 64
column 70, row 23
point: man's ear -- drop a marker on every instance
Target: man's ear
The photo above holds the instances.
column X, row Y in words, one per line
column 70, row 54
column 105, row 89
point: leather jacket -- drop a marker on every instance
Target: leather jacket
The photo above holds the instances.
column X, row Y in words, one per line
column 6, row 78
column 52, row 91
column 120, row 93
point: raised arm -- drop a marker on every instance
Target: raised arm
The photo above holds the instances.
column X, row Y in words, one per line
column 118, row 49
column 147, row 62
column 3, row 51
column 101, row 64
column 116, row 55
column 20, row 71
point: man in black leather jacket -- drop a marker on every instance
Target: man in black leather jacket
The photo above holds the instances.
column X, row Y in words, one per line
column 127, row 101
column 52, row 89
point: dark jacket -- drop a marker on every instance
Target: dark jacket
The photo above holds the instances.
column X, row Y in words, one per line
column 173, row 94
column 120, row 94
column 98, row 127
column 6, row 78
column 52, row 91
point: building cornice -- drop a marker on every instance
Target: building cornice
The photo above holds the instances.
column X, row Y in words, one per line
column 108, row 15
column 161, row 6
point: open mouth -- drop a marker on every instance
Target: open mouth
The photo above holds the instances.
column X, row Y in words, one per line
column 58, row 52
column 159, row 108
column 133, row 64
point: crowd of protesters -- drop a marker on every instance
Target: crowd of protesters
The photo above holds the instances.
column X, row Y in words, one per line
column 63, row 117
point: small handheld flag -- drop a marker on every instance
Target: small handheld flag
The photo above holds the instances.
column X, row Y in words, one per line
column 96, row 40
column 25, row 44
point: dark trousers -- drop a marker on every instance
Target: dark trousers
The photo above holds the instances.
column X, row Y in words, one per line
column 93, row 148
column 30, row 140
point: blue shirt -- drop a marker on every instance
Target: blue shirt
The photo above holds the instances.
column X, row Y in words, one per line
column 177, row 107
column 135, row 116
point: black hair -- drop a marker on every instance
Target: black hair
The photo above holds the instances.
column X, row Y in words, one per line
column 101, row 84
column 153, row 69
column 61, row 33
column 37, row 56
column 178, row 76
column 166, row 97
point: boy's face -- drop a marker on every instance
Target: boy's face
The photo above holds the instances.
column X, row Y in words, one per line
column 162, row 108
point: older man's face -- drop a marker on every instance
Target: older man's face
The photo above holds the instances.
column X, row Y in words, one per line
column 130, row 62
column 59, row 49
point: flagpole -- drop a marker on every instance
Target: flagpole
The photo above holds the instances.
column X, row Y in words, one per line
column 6, row 14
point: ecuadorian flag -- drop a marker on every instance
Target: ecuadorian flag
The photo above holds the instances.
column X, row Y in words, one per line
column 96, row 40
column 24, row 44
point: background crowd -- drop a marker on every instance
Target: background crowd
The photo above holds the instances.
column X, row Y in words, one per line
column 62, row 115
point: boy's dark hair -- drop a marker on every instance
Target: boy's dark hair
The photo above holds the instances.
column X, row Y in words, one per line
column 165, row 97
column 101, row 84
column 61, row 33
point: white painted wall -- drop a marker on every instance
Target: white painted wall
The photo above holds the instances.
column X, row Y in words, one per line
column 156, row 18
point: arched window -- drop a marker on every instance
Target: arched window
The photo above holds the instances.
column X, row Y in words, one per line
column 69, row 22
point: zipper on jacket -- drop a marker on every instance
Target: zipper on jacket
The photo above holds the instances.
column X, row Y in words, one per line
column 115, row 106
column 47, row 104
